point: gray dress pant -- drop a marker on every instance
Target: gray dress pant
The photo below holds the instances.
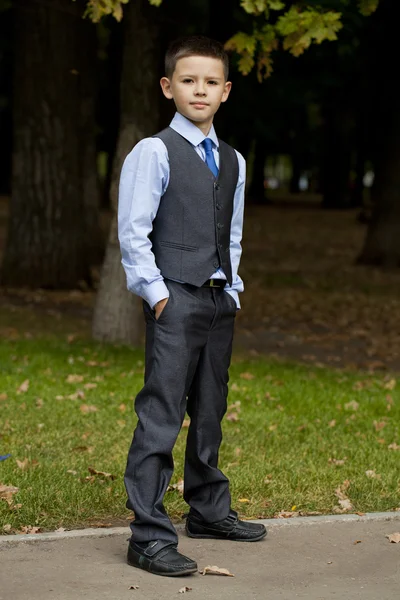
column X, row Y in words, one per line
column 188, row 353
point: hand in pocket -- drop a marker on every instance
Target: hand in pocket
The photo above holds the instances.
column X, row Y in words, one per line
column 159, row 307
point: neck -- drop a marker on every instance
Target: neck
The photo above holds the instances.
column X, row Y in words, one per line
column 204, row 127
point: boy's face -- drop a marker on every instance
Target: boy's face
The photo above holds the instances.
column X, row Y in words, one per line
column 197, row 87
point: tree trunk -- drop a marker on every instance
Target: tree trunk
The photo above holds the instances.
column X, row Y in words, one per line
column 382, row 244
column 53, row 160
column 336, row 159
column 256, row 193
column 117, row 315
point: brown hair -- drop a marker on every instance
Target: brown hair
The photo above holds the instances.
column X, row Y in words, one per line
column 194, row 45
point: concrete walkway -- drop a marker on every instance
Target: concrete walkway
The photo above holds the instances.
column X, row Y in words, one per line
column 313, row 559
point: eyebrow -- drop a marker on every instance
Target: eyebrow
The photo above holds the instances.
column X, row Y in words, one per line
column 193, row 76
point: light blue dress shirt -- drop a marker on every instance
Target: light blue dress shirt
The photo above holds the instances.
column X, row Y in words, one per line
column 144, row 180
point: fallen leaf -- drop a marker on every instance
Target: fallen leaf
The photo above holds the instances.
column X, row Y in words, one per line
column 372, row 475
column 243, row 500
column 39, row 402
column 394, row 446
column 122, row 407
column 134, row 587
column 337, row 462
column 101, row 473
column 285, row 514
column 177, row 486
column 78, row 394
column 238, row 451
column 72, row 472
column 247, row 376
column 7, row 527
column 357, row 542
column 232, row 417
column 390, row 385
column 234, row 387
column 6, row 493
column 214, row 570
column 273, row 427
column 3, row 396
column 60, row 530
column 59, row 397
column 90, row 386
column 353, row 405
column 344, row 501
column 23, row 464
column 379, row 425
column 24, row 387
column 74, row 378
column 29, row 529
column 394, row 538
column 360, row 514
column 185, row 589
column 88, row 408
column 332, row 423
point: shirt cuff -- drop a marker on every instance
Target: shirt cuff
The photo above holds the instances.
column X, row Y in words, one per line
column 155, row 292
column 235, row 296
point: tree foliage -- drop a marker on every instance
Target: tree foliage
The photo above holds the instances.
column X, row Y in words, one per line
column 278, row 23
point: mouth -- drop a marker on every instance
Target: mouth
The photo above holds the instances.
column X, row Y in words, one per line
column 199, row 104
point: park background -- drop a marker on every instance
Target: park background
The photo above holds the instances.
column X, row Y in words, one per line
column 313, row 419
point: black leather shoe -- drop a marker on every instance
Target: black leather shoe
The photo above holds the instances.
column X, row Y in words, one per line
column 160, row 558
column 228, row 529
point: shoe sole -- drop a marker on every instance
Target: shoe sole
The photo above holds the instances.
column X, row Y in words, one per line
column 218, row 537
column 177, row 574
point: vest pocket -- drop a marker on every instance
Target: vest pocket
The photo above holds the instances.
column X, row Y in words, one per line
column 179, row 246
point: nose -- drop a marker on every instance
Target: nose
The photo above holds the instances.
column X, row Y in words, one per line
column 200, row 90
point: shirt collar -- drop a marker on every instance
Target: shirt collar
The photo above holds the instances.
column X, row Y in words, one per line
column 190, row 132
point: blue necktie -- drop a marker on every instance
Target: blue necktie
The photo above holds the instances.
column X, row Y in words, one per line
column 210, row 160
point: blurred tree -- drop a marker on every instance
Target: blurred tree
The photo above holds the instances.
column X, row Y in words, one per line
column 116, row 315
column 382, row 244
column 53, row 228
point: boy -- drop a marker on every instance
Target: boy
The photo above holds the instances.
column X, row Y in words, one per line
column 180, row 223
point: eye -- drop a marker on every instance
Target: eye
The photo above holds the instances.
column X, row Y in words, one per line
column 187, row 80
column 212, row 82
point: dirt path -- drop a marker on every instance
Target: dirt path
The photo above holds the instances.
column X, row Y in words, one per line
column 305, row 298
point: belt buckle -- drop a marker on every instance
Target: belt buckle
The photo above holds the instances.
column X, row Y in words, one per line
column 212, row 284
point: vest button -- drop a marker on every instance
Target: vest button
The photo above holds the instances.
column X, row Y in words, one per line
column 216, row 264
column 219, row 226
column 219, row 206
column 216, row 186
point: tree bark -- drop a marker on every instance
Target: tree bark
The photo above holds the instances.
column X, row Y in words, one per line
column 53, row 157
column 337, row 158
column 382, row 244
column 117, row 315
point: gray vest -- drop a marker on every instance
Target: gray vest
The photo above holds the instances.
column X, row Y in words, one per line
column 191, row 231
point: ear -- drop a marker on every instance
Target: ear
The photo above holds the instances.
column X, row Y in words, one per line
column 227, row 89
column 166, row 87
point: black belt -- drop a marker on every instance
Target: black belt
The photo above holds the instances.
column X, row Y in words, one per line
column 215, row 283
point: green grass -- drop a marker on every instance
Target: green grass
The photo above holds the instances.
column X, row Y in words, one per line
column 284, row 432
